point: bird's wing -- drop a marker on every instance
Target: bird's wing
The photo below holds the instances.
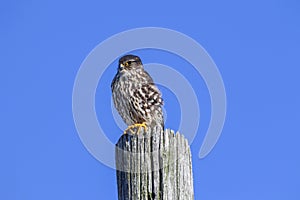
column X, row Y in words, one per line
column 146, row 99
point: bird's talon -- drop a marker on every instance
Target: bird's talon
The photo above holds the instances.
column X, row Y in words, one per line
column 132, row 132
column 138, row 126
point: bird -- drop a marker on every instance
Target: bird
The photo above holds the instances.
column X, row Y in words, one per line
column 136, row 97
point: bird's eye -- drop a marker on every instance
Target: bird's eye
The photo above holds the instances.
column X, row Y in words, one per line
column 128, row 63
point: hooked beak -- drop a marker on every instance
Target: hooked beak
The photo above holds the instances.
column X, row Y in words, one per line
column 121, row 67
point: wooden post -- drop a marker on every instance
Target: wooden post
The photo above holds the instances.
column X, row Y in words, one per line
column 154, row 165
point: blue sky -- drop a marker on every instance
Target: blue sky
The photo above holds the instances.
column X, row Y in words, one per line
column 255, row 45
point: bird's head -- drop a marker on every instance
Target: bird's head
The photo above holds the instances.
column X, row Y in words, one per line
column 130, row 62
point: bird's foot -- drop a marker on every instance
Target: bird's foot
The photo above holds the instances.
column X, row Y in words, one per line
column 134, row 126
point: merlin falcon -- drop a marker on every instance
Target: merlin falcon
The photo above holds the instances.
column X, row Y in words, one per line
column 135, row 96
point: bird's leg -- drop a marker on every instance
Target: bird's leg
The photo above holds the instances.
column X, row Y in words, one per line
column 138, row 125
column 129, row 128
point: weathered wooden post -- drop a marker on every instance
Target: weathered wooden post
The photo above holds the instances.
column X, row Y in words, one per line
column 154, row 165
